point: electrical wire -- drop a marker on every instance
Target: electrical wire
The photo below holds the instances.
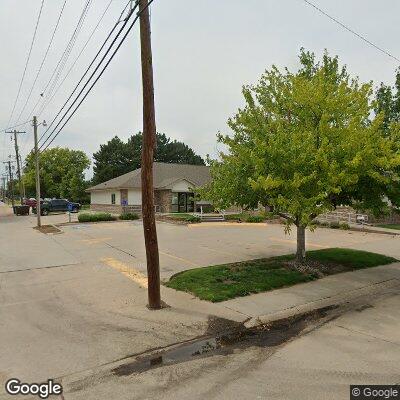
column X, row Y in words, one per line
column 14, row 126
column 86, row 72
column 72, row 44
column 27, row 62
column 352, row 31
column 43, row 61
column 64, row 57
column 101, row 73
column 75, row 61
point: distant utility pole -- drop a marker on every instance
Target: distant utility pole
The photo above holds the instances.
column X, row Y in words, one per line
column 15, row 132
column 38, row 211
column 149, row 143
column 23, row 184
column 3, row 188
column 10, row 181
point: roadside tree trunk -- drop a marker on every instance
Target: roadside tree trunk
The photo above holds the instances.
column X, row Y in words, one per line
column 301, row 243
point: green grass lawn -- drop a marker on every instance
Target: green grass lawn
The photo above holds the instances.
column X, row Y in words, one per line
column 224, row 282
column 390, row 226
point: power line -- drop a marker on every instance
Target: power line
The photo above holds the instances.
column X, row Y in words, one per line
column 64, row 57
column 26, row 63
column 352, row 31
column 14, row 126
column 43, row 61
column 76, row 59
column 86, row 72
column 101, row 73
column 72, row 44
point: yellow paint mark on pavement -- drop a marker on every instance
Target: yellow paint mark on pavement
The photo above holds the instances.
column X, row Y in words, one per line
column 178, row 258
column 129, row 272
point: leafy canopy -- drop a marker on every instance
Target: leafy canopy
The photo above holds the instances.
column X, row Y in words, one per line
column 304, row 143
column 116, row 157
column 61, row 174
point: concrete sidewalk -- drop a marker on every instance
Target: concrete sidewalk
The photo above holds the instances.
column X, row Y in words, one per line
column 374, row 229
column 5, row 210
column 331, row 290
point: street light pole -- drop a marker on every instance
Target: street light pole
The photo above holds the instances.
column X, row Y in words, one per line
column 38, row 211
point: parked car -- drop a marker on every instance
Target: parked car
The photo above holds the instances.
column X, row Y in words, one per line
column 30, row 202
column 57, row 205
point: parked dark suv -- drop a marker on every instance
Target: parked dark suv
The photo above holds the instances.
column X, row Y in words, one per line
column 57, row 205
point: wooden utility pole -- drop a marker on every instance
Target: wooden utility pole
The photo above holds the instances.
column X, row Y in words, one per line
column 149, row 143
column 3, row 188
column 11, row 183
column 17, row 157
column 38, row 211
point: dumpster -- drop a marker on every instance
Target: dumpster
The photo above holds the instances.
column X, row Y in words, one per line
column 21, row 210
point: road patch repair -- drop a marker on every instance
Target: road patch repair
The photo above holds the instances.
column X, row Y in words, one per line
column 225, row 339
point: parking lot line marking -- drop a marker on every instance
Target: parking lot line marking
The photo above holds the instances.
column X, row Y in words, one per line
column 94, row 240
column 274, row 239
column 224, row 224
column 178, row 258
column 129, row 272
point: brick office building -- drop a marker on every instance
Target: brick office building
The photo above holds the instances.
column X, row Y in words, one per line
column 173, row 189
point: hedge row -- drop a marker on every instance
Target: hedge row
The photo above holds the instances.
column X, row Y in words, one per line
column 95, row 217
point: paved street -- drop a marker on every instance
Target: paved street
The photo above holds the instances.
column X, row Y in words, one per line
column 360, row 347
column 74, row 303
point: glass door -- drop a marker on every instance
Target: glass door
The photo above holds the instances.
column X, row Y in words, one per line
column 182, row 202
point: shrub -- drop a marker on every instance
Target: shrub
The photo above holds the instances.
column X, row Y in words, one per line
column 345, row 226
column 322, row 224
column 233, row 217
column 192, row 219
column 129, row 216
column 255, row 218
column 268, row 215
column 86, row 217
column 335, row 225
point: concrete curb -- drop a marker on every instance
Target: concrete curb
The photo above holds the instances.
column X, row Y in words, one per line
column 338, row 299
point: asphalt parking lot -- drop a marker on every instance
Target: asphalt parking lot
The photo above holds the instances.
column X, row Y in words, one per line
column 183, row 247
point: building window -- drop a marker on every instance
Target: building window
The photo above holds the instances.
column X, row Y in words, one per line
column 113, row 198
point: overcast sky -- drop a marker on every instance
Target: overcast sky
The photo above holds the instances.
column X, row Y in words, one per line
column 204, row 51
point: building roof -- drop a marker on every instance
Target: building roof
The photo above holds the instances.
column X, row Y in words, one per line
column 164, row 175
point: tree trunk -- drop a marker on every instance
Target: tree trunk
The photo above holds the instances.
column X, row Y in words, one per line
column 301, row 244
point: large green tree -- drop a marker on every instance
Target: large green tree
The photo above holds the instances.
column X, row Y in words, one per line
column 61, row 174
column 303, row 144
column 388, row 102
column 116, row 157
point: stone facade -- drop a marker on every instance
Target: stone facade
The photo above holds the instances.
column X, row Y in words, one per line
column 163, row 199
